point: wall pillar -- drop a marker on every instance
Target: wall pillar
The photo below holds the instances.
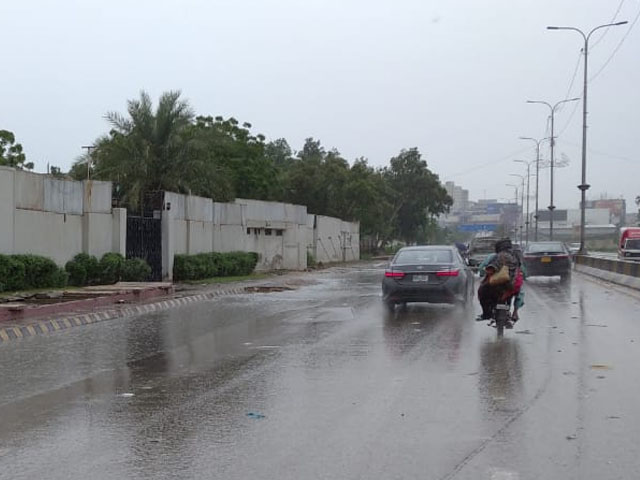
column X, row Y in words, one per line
column 119, row 239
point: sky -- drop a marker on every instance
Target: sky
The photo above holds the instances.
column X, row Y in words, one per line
column 367, row 77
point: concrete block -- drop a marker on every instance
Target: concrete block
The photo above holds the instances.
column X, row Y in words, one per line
column 97, row 196
column 54, row 235
column 175, row 204
column 199, row 237
column 228, row 214
column 199, row 209
column 7, row 209
column 29, row 190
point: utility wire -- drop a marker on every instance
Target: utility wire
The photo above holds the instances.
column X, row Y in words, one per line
column 488, row 164
column 613, row 19
column 615, row 50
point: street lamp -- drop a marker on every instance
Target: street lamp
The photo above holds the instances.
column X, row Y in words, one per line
column 537, row 142
column 516, row 221
column 528, row 164
column 521, row 177
column 583, row 187
column 553, row 108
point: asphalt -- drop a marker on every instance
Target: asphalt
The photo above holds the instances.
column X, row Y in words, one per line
column 321, row 383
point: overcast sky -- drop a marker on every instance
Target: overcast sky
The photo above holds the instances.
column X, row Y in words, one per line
column 368, row 77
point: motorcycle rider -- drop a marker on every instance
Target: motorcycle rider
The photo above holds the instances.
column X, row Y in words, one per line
column 489, row 295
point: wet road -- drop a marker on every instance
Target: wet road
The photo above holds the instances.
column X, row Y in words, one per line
column 321, row 383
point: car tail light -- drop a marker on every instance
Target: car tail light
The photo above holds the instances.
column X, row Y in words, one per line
column 394, row 274
column 448, row 273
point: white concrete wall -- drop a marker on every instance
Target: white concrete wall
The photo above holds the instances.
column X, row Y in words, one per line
column 54, row 235
column 336, row 240
column 7, row 209
column 57, row 218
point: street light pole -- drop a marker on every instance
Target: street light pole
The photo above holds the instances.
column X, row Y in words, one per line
column 583, row 187
column 515, row 226
column 537, row 142
column 89, row 149
column 526, row 223
column 521, row 177
column 553, row 108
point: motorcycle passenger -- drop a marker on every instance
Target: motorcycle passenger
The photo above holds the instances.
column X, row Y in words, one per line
column 488, row 294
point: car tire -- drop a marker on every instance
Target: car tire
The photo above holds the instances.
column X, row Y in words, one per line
column 565, row 277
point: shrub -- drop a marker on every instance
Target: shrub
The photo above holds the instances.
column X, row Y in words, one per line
column 214, row 264
column 111, row 265
column 39, row 272
column 29, row 271
column 12, row 273
column 135, row 270
column 83, row 270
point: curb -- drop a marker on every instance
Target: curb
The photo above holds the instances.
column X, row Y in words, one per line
column 613, row 277
column 45, row 327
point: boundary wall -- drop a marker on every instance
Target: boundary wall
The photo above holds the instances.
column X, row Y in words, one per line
column 616, row 271
column 280, row 233
column 43, row 215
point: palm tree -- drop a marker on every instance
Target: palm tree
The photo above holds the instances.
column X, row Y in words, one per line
column 149, row 150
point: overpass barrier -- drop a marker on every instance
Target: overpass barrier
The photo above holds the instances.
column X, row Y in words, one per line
column 612, row 270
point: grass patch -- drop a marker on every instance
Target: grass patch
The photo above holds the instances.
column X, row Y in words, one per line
column 238, row 278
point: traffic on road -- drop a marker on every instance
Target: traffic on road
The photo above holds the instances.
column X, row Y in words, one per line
column 322, row 381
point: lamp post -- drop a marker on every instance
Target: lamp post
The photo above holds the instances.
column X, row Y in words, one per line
column 89, row 149
column 583, row 187
column 521, row 177
column 515, row 229
column 528, row 220
column 537, row 142
column 552, row 108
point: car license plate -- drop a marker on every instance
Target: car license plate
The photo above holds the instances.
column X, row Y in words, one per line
column 545, row 259
column 421, row 278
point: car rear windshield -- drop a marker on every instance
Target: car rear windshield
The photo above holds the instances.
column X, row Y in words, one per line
column 424, row 257
column 483, row 245
column 545, row 247
column 633, row 244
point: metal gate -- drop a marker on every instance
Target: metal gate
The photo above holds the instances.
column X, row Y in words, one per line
column 144, row 232
column 144, row 240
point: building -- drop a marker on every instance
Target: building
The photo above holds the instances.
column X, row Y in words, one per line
column 460, row 198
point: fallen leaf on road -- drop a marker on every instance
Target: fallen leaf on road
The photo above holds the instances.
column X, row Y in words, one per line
column 599, row 366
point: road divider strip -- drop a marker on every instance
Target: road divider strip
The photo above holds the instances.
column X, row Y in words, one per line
column 49, row 326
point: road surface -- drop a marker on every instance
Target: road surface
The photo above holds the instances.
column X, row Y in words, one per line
column 321, row 383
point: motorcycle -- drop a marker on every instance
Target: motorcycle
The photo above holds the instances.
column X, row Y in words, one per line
column 502, row 317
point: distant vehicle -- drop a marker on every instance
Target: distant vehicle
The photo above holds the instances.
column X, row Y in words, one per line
column 629, row 244
column 547, row 259
column 432, row 274
column 573, row 248
column 479, row 248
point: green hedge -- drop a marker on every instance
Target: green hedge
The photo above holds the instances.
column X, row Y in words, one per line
column 19, row 272
column 208, row 265
column 87, row 270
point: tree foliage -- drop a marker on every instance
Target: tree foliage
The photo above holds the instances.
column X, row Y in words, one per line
column 11, row 153
column 169, row 148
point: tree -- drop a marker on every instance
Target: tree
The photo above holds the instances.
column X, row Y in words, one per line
column 150, row 149
column 11, row 153
column 416, row 194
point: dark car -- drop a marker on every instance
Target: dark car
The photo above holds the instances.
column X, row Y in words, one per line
column 434, row 274
column 479, row 249
column 547, row 259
